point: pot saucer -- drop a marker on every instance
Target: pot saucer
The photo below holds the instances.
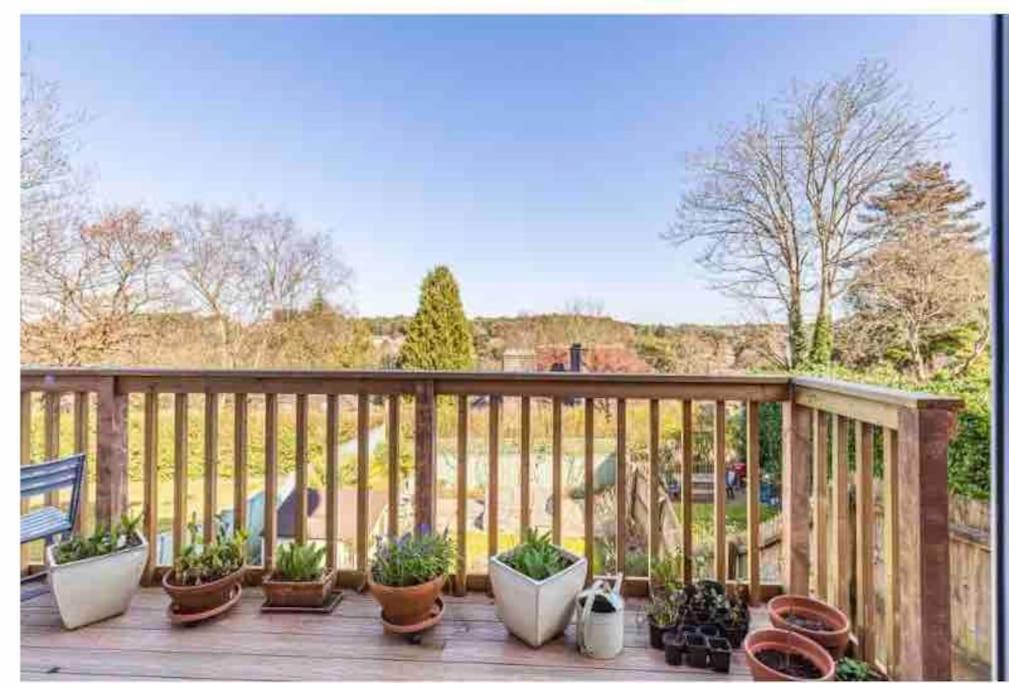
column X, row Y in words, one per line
column 181, row 618
column 437, row 612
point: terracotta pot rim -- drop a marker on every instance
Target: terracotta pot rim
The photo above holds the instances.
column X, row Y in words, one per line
column 326, row 578
column 812, row 604
column 373, row 582
column 213, row 585
column 800, row 641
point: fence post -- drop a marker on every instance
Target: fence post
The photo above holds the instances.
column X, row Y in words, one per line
column 425, row 432
column 796, row 425
column 923, row 513
column 111, row 498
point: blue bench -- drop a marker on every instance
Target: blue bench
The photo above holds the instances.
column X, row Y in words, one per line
column 49, row 521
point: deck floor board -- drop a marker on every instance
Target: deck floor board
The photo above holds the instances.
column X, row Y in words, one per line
column 469, row 643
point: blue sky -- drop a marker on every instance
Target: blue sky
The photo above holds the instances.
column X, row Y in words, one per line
column 538, row 157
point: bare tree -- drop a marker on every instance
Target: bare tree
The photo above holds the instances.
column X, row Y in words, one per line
column 775, row 204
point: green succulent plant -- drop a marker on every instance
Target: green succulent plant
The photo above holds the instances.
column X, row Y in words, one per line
column 412, row 559
column 536, row 556
column 203, row 563
column 103, row 541
column 300, row 562
column 849, row 669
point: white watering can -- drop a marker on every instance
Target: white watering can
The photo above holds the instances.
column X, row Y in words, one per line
column 600, row 634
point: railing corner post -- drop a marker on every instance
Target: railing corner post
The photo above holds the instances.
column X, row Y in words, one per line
column 111, row 498
column 796, row 428
column 924, row 564
column 425, row 432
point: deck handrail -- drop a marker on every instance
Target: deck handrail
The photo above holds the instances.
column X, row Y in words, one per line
column 817, row 415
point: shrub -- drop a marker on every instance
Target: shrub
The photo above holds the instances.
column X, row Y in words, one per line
column 104, row 541
column 412, row 559
column 536, row 557
column 300, row 562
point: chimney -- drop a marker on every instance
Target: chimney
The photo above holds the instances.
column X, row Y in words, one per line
column 575, row 364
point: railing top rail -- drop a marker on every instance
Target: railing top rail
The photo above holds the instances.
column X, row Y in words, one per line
column 916, row 400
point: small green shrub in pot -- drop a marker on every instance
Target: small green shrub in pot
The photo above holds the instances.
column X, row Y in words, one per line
column 300, row 578
column 300, row 562
column 407, row 574
column 206, row 577
column 123, row 534
column 536, row 557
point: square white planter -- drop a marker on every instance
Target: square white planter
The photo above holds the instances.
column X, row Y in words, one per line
column 536, row 611
column 98, row 587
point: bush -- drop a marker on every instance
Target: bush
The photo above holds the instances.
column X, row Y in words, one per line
column 412, row 559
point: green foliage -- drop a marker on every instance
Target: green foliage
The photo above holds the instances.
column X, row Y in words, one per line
column 536, row 556
column 104, row 541
column 439, row 336
column 207, row 562
column 661, row 610
column 412, row 559
column 849, row 669
column 666, row 573
column 300, row 562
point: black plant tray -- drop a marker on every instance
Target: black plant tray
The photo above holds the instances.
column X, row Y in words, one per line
column 325, row 608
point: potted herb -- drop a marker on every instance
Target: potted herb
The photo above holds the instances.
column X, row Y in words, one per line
column 849, row 669
column 95, row 577
column 661, row 614
column 774, row 654
column 406, row 577
column 535, row 584
column 300, row 578
column 811, row 618
column 664, row 575
column 206, row 578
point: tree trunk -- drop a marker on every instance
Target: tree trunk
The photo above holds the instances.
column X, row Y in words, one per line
column 796, row 333
column 823, row 330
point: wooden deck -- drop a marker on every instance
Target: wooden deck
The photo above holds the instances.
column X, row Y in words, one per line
column 470, row 643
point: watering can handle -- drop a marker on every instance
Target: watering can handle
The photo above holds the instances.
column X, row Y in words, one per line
column 583, row 625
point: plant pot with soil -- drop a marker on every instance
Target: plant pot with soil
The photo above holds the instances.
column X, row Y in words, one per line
column 812, row 618
column 661, row 614
column 774, row 654
column 406, row 577
column 719, row 654
column 696, row 650
column 535, row 585
column 672, row 643
column 95, row 577
column 300, row 578
column 206, row 579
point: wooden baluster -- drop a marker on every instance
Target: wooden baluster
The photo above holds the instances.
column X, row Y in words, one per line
column 180, row 512
column 270, row 485
column 687, row 489
column 891, row 549
column 557, row 434
column 52, row 438
column 590, row 532
column 111, row 499
column 720, row 483
column 654, row 529
column 524, row 496
column 209, row 466
column 26, row 458
column 333, row 481
column 820, row 500
column 461, row 487
column 424, row 436
column 753, row 499
column 363, row 532
column 151, row 482
column 621, row 539
column 840, row 588
column 392, row 440
column 492, row 465
column 81, row 446
column 301, row 468
column 796, row 425
column 865, row 597
column 923, row 510
column 241, row 473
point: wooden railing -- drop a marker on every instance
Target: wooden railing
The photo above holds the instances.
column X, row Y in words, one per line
column 817, row 415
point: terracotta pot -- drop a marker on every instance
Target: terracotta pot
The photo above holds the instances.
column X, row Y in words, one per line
column 406, row 605
column 298, row 593
column 834, row 639
column 202, row 598
column 788, row 642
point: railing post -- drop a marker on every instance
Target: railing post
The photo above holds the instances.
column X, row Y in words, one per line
column 923, row 515
column 425, row 432
column 111, row 497
column 796, row 424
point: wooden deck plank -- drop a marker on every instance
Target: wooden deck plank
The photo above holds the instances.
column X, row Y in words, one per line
column 244, row 644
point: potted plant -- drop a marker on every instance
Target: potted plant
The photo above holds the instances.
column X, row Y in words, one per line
column 696, row 650
column 95, row 577
column 300, row 578
column 406, row 577
column 811, row 618
column 850, row 669
column 661, row 612
column 535, row 584
column 774, row 654
column 206, row 578
column 672, row 643
column 719, row 654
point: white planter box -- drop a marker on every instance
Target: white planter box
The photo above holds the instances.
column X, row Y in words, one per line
column 96, row 588
column 536, row 611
